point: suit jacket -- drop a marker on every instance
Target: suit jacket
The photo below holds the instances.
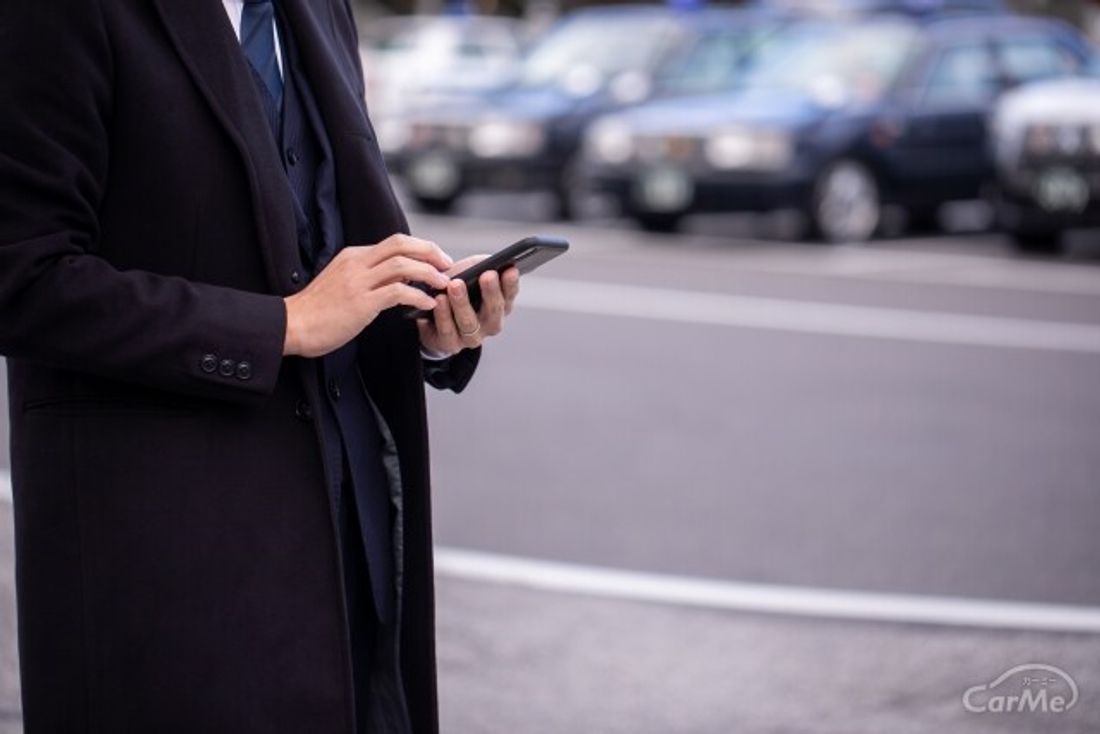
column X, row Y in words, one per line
column 177, row 565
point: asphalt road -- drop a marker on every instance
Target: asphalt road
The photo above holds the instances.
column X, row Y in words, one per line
column 913, row 416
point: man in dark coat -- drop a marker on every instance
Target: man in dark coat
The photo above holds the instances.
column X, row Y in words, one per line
column 219, row 444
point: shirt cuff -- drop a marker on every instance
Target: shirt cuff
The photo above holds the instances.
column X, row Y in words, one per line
column 432, row 356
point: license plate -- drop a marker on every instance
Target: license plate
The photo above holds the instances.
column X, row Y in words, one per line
column 664, row 190
column 434, row 174
column 1062, row 190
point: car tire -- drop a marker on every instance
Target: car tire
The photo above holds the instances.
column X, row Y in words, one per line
column 923, row 220
column 568, row 192
column 435, row 204
column 658, row 222
column 1037, row 242
column 845, row 205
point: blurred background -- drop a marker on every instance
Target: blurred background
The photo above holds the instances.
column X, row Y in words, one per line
column 803, row 435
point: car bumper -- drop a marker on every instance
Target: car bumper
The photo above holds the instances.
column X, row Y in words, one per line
column 443, row 173
column 668, row 190
column 1050, row 197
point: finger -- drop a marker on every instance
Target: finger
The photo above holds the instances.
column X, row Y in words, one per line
column 412, row 247
column 509, row 283
column 445, row 326
column 492, row 303
column 400, row 294
column 465, row 264
column 466, row 320
column 401, row 268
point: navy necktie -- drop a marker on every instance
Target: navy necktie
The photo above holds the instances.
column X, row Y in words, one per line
column 258, row 42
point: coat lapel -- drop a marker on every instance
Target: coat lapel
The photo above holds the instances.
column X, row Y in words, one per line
column 370, row 212
column 210, row 51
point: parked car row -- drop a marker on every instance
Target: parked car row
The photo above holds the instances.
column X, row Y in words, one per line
column 673, row 112
column 527, row 135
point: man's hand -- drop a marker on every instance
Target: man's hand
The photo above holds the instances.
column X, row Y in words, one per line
column 355, row 287
column 455, row 325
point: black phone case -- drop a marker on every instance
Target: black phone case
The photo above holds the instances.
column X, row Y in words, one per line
column 527, row 255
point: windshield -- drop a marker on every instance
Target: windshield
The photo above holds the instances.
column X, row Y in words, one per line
column 833, row 62
column 714, row 62
column 590, row 47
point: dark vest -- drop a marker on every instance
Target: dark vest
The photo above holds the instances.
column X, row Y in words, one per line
column 353, row 443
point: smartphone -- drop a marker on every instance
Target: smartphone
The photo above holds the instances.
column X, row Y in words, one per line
column 527, row 254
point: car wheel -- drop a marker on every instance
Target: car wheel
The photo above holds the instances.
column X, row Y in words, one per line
column 1037, row 242
column 846, row 205
column 435, row 204
column 658, row 222
column 568, row 191
column 923, row 220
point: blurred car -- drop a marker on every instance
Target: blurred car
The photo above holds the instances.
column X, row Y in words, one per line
column 527, row 136
column 916, row 8
column 417, row 60
column 1046, row 143
column 835, row 119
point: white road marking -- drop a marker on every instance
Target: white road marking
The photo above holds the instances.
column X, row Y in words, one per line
column 751, row 312
column 763, row 598
column 759, row 598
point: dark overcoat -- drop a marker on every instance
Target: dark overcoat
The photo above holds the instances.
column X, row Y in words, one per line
column 176, row 558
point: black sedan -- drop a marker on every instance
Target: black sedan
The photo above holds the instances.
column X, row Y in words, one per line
column 528, row 135
column 835, row 120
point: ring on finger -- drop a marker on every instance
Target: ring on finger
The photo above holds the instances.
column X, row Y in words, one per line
column 468, row 334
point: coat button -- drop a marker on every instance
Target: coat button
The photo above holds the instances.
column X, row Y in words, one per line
column 334, row 389
column 295, row 277
column 209, row 363
column 303, row 411
column 292, row 156
column 227, row 368
column 244, row 371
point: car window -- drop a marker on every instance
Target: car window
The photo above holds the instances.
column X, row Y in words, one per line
column 962, row 74
column 713, row 62
column 588, row 47
column 1026, row 59
column 833, row 63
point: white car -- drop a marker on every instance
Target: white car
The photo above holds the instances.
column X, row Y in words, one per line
column 1046, row 145
column 417, row 60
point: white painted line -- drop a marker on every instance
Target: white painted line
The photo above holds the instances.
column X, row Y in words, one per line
column 744, row 597
column 763, row 598
column 751, row 312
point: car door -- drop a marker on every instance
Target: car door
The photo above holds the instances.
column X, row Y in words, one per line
column 941, row 153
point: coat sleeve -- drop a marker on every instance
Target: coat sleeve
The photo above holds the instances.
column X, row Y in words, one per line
column 453, row 373
column 60, row 303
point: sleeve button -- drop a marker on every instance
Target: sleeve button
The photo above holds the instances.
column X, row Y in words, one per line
column 209, row 363
column 244, row 371
column 227, row 368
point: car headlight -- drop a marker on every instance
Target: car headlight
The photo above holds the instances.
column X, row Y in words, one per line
column 610, row 141
column 506, row 138
column 749, row 149
column 1062, row 140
